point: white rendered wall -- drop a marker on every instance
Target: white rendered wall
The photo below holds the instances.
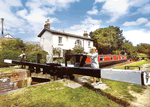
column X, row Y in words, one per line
column 69, row 42
column 51, row 40
column 46, row 41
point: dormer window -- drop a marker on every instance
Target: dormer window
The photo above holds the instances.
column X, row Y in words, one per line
column 78, row 43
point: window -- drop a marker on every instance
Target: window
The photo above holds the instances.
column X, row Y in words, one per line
column 101, row 58
column 60, row 40
column 112, row 58
column 78, row 42
column 89, row 44
column 123, row 57
column 43, row 39
column 117, row 57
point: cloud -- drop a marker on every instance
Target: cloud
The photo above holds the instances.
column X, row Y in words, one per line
column 13, row 3
column 10, row 19
column 137, row 22
column 115, row 8
column 99, row 1
column 137, row 36
column 94, row 11
column 148, row 24
column 37, row 12
column 118, row 8
column 144, row 9
column 88, row 25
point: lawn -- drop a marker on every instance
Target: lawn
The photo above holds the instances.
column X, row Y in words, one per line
column 6, row 69
column 134, row 64
column 55, row 94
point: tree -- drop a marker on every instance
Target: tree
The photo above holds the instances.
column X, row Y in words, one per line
column 14, row 45
column 77, row 49
column 143, row 48
column 108, row 39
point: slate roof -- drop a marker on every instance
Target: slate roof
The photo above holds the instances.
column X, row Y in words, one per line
column 63, row 33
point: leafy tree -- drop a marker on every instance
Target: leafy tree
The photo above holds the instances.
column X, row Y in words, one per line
column 77, row 49
column 107, row 40
column 32, row 47
column 14, row 45
column 143, row 48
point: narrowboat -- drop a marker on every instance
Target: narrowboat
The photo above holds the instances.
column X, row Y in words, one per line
column 105, row 60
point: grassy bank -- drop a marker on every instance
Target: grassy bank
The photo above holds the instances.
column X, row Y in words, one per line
column 121, row 89
column 134, row 64
column 56, row 95
column 6, row 69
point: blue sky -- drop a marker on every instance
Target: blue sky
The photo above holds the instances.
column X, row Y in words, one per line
column 26, row 18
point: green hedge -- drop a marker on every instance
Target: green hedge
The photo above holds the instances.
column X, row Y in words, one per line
column 8, row 54
column 32, row 56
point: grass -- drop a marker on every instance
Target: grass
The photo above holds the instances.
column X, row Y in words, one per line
column 134, row 64
column 55, row 94
column 121, row 89
column 6, row 70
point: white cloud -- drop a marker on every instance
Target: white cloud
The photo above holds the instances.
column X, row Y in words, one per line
column 99, row 1
column 137, row 36
column 38, row 11
column 148, row 24
column 22, row 13
column 13, row 2
column 88, row 25
column 137, row 22
column 118, row 8
column 115, row 8
column 93, row 11
column 137, row 3
column 144, row 9
column 10, row 19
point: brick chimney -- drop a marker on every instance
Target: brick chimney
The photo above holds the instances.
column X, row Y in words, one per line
column 47, row 24
column 85, row 34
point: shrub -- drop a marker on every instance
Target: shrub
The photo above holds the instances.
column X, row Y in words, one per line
column 14, row 44
column 32, row 57
column 77, row 50
column 8, row 54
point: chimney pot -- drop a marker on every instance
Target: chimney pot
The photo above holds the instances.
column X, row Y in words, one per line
column 63, row 30
column 85, row 34
column 47, row 24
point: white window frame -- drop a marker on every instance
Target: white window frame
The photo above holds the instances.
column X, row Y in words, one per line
column 89, row 44
column 78, row 42
column 59, row 41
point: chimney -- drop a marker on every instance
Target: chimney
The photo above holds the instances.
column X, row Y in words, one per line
column 47, row 24
column 63, row 30
column 85, row 34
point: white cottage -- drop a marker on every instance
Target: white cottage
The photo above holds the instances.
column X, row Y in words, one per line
column 50, row 39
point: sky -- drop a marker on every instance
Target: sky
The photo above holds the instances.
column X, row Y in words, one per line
column 25, row 19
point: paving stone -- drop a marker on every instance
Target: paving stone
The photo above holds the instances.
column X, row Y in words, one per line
column 100, row 86
column 73, row 85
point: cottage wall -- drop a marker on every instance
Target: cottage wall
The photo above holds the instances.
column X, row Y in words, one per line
column 46, row 42
column 49, row 40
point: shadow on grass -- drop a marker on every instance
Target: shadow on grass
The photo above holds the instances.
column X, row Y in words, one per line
column 101, row 92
